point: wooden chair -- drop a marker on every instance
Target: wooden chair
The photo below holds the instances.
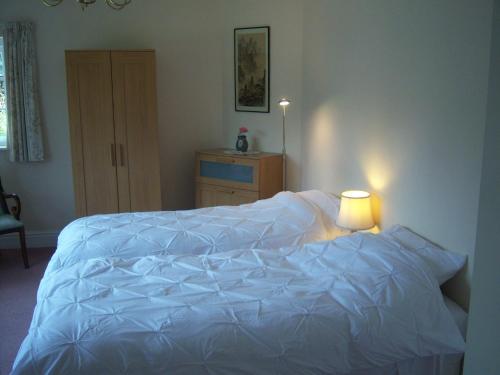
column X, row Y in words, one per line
column 10, row 220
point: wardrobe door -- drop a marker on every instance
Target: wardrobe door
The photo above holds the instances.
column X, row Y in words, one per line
column 92, row 132
column 135, row 117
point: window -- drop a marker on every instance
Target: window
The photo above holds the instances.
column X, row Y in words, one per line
column 3, row 100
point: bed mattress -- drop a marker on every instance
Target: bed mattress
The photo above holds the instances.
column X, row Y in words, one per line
column 287, row 219
column 348, row 306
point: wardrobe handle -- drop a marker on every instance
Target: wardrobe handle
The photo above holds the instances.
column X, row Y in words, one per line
column 113, row 154
column 122, row 156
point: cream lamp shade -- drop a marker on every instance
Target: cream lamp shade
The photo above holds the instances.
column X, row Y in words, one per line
column 355, row 210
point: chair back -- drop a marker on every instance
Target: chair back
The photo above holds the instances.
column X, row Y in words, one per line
column 4, row 209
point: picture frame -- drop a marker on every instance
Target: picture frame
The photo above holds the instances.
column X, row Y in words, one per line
column 252, row 69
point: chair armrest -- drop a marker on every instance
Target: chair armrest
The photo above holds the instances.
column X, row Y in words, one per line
column 16, row 210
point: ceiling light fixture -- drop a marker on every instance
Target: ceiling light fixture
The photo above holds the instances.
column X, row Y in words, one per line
column 115, row 4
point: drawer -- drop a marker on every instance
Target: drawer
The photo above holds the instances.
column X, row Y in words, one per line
column 211, row 195
column 227, row 171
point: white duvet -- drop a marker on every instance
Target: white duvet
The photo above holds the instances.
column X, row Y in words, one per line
column 331, row 307
column 286, row 219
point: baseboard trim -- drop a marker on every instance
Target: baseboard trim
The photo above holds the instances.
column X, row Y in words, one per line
column 33, row 239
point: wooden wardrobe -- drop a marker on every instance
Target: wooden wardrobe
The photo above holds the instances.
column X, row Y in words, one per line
column 113, row 130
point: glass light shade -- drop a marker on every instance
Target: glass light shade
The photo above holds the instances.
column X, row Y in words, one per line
column 355, row 210
column 284, row 102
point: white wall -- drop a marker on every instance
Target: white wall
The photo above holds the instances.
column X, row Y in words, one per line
column 389, row 96
column 483, row 332
column 187, row 38
column 394, row 102
column 285, row 19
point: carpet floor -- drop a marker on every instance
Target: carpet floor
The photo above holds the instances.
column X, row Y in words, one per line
column 18, row 289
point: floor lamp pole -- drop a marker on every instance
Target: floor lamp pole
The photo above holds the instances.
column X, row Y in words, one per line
column 284, row 102
column 283, row 150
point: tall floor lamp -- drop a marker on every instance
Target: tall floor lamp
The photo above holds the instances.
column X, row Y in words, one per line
column 284, row 102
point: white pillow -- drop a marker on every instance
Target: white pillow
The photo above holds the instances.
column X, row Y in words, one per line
column 443, row 264
column 328, row 203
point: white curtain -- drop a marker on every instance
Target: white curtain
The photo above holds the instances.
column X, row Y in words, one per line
column 24, row 134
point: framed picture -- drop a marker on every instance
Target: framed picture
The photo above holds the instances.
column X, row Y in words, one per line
column 251, row 69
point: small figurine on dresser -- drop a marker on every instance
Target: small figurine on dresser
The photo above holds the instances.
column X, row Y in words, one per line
column 242, row 143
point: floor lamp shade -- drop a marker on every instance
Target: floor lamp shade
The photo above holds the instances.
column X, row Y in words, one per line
column 355, row 210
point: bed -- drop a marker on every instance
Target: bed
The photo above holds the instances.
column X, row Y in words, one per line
column 286, row 219
column 361, row 304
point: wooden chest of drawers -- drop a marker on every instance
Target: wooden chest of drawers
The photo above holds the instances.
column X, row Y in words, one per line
column 223, row 179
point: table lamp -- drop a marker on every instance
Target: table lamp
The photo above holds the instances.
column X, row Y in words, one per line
column 355, row 210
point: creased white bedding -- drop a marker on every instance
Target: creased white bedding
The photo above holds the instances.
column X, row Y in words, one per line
column 333, row 307
column 443, row 364
column 286, row 219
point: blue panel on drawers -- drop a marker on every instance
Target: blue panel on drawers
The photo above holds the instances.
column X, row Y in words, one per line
column 223, row 171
